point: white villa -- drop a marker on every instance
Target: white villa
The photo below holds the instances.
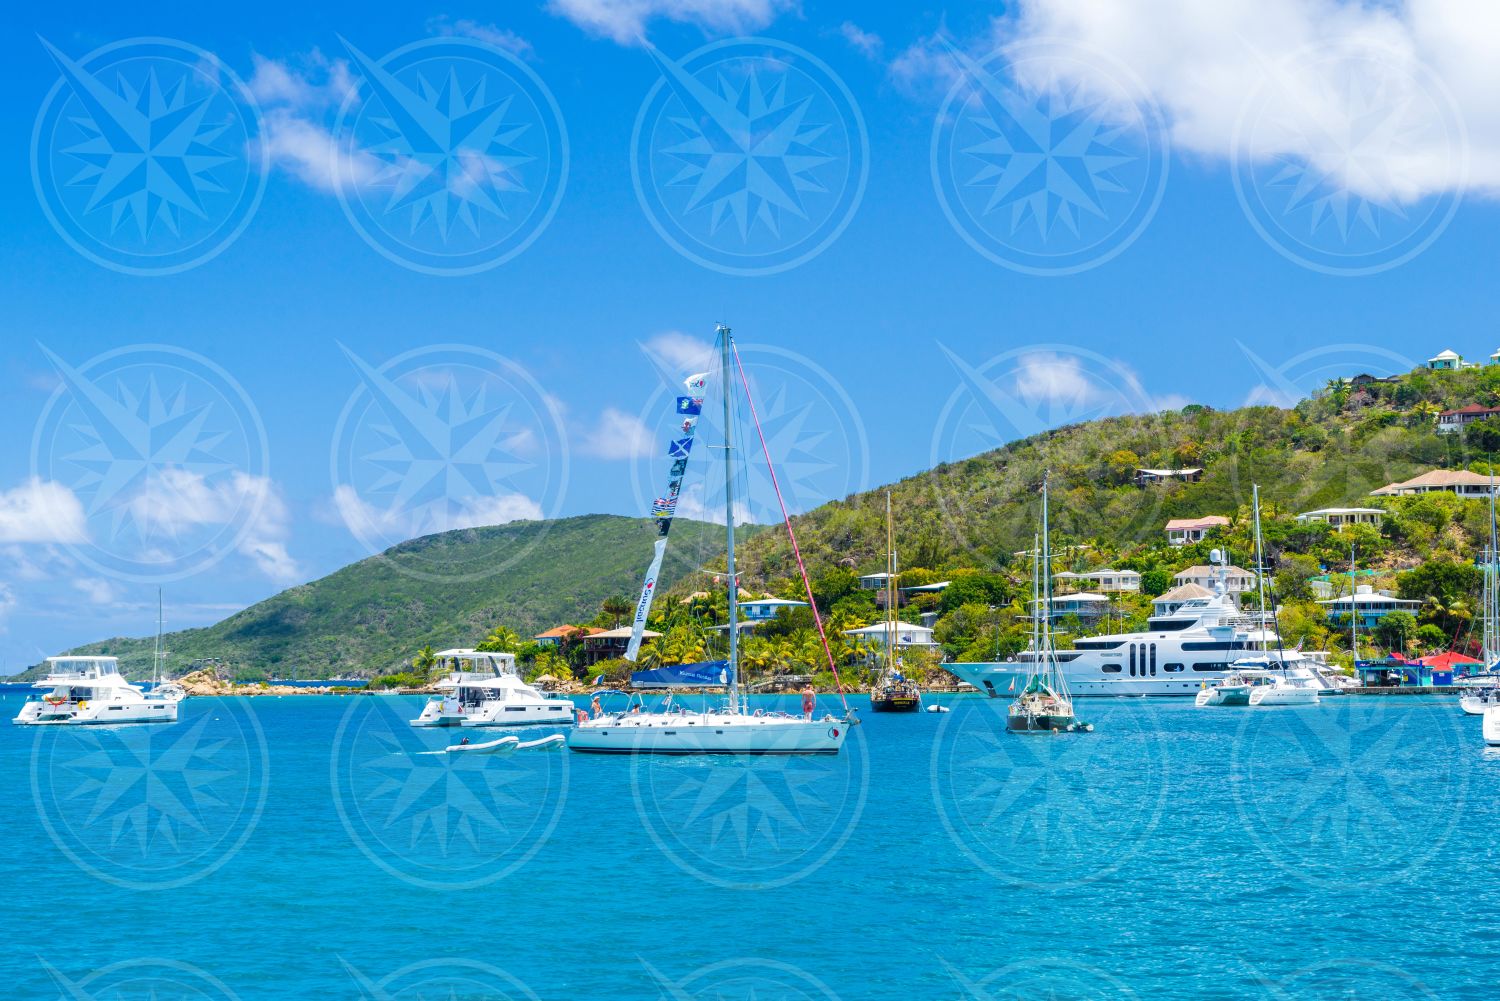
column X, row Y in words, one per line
column 1181, row 531
column 1458, row 481
column 1144, row 477
column 1087, row 605
column 762, row 609
column 908, row 636
column 1170, row 601
column 1236, row 580
column 1338, row 517
column 874, row 581
column 1106, row 581
column 1447, row 360
column 1370, row 605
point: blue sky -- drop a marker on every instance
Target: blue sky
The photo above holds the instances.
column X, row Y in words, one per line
column 965, row 223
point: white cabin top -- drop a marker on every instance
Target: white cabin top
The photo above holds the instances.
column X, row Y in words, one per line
column 82, row 668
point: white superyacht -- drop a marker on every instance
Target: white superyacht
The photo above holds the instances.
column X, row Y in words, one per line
column 1177, row 654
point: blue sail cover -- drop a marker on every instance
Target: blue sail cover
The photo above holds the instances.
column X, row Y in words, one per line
column 708, row 674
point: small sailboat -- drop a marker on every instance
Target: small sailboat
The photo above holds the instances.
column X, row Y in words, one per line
column 732, row 728
column 1044, row 705
column 1478, row 700
column 1285, row 685
column 893, row 692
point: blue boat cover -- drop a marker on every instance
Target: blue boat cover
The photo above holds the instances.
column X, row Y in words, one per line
column 707, row 674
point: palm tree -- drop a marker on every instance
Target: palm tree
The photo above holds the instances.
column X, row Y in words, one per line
column 502, row 639
column 424, row 661
column 616, row 608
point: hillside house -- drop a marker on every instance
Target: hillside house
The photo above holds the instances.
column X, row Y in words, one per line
column 1170, row 601
column 607, row 644
column 1105, row 581
column 1458, row 481
column 1368, row 604
column 1236, row 580
column 908, row 636
column 1450, row 421
column 1146, row 477
column 1338, row 517
column 1446, row 360
column 1181, row 531
column 1089, row 606
column 764, row 609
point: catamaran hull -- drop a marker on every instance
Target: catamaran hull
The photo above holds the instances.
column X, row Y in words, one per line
column 105, row 715
column 757, row 735
column 1274, row 695
column 553, row 713
column 1491, row 727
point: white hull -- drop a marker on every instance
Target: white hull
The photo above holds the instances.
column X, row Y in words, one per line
column 557, row 713
column 1476, row 704
column 708, row 733
column 1283, row 695
column 1492, row 727
column 1003, row 679
column 102, row 714
column 1224, row 695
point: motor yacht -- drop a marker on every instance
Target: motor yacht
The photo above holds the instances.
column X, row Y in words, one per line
column 85, row 690
column 483, row 689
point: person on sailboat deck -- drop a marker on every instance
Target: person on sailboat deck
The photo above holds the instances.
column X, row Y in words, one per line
column 596, row 708
column 809, row 702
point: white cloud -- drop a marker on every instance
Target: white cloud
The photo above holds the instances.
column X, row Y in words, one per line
column 7, row 604
column 41, row 511
column 624, row 21
column 1042, row 377
column 366, row 521
column 618, row 435
column 299, row 97
column 97, row 590
column 1376, row 97
column 178, row 500
column 680, row 352
column 502, row 38
column 866, row 42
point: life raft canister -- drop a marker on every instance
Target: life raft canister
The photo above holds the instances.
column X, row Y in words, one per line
column 833, row 731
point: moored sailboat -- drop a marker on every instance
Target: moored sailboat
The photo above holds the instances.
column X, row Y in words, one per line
column 893, row 691
column 1044, row 705
column 732, row 728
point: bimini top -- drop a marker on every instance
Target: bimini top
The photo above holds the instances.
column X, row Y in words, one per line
column 80, row 668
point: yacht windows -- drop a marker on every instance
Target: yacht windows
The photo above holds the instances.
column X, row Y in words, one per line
column 1132, row 660
column 1214, row 645
column 1171, row 668
column 1153, row 660
column 1111, row 669
column 1168, row 625
column 1098, row 644
column 1218, row 665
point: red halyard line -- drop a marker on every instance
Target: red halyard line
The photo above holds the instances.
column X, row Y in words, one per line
column 787, row 520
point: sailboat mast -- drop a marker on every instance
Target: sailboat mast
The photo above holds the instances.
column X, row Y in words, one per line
column 1260, row 559
column 734, row 584
column 156, row 657
column 890, row 592
column 1353, row 612
column 1046, row 574
column 1491, row 578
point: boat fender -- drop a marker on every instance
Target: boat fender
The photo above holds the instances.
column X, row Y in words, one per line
column 82, row 705
column 833, row 731
column 581, row 715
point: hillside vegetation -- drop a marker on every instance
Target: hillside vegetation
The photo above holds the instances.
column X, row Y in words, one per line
column 372, row 616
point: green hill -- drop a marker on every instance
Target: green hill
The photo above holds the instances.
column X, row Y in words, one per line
column 373, row 615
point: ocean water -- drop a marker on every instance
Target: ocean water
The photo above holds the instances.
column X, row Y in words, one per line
column 277, row 848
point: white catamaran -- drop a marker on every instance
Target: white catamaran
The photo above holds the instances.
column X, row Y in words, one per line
column 483, row 689
column 732, row 728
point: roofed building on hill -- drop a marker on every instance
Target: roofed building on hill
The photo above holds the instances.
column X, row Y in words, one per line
column 559, row 635
column 608, row 644
column 1338, row 517
column 1366, row 379
column 1170, row 601
column 1236, row 580
column 1145, row 477
column 908, row 636
column 1368, row 604
column 762, row 609
column 1447, row 360
column 1457, row 481
column 1181, row 531
column 1450, row 421
column 1087, row 605
column 1104, row 580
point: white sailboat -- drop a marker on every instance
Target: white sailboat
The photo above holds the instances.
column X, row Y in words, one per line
column 1477, row 700
column 1044, row 705
column 1285, row 686
column 732, row 728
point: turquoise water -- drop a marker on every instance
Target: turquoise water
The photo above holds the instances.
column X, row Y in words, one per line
column 299, row 847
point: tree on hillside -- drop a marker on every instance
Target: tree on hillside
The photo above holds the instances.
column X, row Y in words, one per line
column 1155, row 581
column 1292, row 579
column 1395, row 628
column 975, row 587
column 424, row 661
column 501, row 639
column 615, row 608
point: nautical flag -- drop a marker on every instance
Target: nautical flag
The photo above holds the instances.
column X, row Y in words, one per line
column 678, row 468
column 1012, row 685
column 689, row 425
column 663, row 527
column 674, row 487
column 680, row 448
column 690, row 405
column 664, row 505
column 696, row 382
